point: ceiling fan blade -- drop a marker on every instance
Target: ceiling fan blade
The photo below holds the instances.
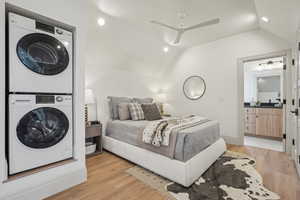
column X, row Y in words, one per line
column 206, row 23
column 178, row 38
column 164, row 25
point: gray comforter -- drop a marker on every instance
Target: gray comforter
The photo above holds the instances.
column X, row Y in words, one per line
column 189, row 141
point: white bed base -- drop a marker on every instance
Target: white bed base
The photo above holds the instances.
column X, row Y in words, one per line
column 184, row 173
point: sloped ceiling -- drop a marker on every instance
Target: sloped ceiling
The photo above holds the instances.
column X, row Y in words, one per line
column 236, row 16
column 284, row 17
column 129, row 41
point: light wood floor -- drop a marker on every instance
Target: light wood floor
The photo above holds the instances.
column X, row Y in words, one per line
column 107, row 179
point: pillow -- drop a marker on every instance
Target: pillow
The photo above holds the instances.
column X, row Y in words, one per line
column 136, row 111
column 114, row 103
column 123, row 110
column 143, row 100
column 151, row 111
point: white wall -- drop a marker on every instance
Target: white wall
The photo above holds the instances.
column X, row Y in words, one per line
column 123, row 60
column 216, row 62
column 45, row 183
column 116, row 82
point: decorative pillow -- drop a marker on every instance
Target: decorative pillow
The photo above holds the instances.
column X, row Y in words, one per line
column 151, row 111
column 124, row 113
column 114, row 104
column 143, row 100
column 136, row 111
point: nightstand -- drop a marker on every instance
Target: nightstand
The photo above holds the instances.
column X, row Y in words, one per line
column 93, row 133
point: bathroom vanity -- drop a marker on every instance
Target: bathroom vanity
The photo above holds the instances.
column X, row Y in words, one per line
column 264, row 121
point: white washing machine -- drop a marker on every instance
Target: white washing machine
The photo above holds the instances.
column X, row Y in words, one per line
column 40, row 57
column 40, row 130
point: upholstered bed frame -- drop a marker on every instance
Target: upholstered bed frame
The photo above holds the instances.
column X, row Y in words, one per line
column 184, row 173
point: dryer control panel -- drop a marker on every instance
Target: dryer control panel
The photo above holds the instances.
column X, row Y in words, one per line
column 53, row 99
column 41, row 99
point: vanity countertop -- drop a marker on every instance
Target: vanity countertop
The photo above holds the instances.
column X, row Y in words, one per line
column 273, row 107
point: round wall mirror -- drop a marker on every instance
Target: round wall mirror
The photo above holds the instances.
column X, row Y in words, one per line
column 194, row 87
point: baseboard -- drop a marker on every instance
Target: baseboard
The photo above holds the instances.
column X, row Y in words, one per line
column 233, row 140
column 50, row 188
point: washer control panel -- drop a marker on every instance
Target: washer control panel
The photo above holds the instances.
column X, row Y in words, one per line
column 41, row 99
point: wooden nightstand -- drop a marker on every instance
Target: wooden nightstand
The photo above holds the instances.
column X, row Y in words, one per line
column 93, row 133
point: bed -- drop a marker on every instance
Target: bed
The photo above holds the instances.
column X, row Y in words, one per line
column 196, row 149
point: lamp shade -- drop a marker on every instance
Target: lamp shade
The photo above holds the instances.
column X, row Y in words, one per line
column 89, row 97
column 161, row 97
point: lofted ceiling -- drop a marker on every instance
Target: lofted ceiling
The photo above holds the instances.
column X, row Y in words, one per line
column 284, row 17
column 236, row 16
column 129, row 41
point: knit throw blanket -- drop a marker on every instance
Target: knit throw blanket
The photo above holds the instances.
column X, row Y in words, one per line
column 157, row 133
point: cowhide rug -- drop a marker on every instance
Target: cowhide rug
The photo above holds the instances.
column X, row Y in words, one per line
column 231, row 177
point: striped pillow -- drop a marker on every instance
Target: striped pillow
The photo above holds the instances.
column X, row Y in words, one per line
column 136, row 111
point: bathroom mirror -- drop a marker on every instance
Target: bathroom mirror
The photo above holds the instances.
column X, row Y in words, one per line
column 194, row 87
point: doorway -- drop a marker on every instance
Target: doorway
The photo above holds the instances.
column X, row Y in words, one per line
column 264, row 99
column 284, row 102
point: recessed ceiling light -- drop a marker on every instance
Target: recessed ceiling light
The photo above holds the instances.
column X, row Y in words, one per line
column 265, row 19
column 166, row 49
column 101, row 21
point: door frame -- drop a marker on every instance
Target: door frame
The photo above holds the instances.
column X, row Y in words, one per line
column 240, row 97
column 296, row 148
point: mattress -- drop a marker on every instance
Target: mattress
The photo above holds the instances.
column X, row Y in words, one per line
column 189, row 142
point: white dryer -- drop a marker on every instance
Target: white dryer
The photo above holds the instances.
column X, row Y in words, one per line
column 40, row 57
column 40, row 130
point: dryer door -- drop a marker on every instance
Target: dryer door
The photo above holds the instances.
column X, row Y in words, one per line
column 43, row 54
column 42, row 128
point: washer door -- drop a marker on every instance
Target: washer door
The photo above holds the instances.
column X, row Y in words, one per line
column 42, row 128
column 43, row 54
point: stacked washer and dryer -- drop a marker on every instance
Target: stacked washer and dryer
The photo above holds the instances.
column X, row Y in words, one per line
column 40, row 85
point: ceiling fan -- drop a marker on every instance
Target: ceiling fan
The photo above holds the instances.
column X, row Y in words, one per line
column 182, row 30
